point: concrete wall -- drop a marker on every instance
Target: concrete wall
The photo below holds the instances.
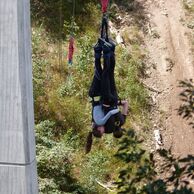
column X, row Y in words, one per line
column 18, row 173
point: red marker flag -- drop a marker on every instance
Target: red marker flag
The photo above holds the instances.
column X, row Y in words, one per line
column 71, row 50
column 104, row 5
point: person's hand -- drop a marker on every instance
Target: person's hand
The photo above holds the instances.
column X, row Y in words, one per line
column 123, row 102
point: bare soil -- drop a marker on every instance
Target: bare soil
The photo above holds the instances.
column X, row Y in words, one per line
column 170, row 60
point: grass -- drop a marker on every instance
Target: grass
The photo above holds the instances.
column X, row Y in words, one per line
column 61, row 97
column 189, row 6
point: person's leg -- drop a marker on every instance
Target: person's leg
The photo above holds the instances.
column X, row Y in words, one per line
column 95, row 88
column 105, row 82
column 98, row 54
column 108, row 87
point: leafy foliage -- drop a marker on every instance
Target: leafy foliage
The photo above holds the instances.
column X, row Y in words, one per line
column 40, row 63
column 84, row 58
column 129, row 70
column 139, row 177
column 54, row 14
column 187, row 96
column 63, row 111
column 138, row 170
column 54, row 160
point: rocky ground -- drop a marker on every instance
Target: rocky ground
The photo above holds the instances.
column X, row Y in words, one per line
column 171, row 60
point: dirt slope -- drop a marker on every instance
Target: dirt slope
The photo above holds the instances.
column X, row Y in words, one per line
column 170, row 61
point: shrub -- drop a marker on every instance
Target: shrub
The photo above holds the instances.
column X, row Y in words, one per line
column 138, row 175
column 54, row 157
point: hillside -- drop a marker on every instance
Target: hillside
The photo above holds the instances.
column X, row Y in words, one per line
column 172, row 58
column 153, row 54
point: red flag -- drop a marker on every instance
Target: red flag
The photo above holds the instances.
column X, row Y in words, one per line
column 71, row 50
column 104, row 5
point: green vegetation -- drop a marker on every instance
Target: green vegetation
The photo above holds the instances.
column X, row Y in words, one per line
column 189, row 5
column 62, row 108
column 63, row 117
column 138, row 176
column 186, row 110
column 63, row 111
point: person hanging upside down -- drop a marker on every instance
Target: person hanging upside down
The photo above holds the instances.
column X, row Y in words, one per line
column 106, row 117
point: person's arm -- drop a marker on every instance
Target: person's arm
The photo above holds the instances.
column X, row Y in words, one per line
column 99, row 117
column 124, row 111
column 125, row 107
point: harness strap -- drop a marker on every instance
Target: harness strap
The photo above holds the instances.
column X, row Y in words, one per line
column 95, row 100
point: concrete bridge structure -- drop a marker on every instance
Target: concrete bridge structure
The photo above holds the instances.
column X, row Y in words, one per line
column 18, row 172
